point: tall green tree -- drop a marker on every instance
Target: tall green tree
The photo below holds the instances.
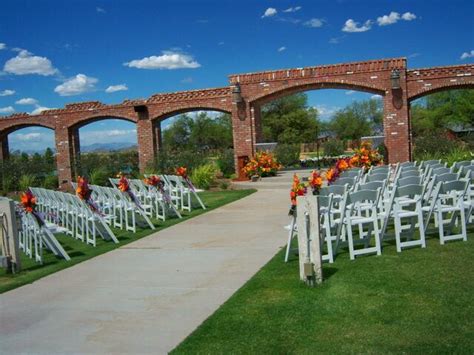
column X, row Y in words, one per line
column 443, row 110
column 290, row 120
column 360, row 118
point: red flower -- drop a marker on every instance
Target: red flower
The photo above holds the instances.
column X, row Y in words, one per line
column 28, row 201
column 123, row 184
column 181, row 171
column 83, row 191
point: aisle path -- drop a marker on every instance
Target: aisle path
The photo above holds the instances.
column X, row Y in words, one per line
column 147, row 296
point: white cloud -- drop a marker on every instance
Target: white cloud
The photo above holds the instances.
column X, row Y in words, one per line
column 390, row 19
column 27, row 137
column 281, row 49
column 293, row 9
column 168, row 60
column 92, row 136
column 408, row 16
column 77, row 85
column 269, row 12
column 6, row 110
column 376, row 97
column 40, row 109
column 394, row 17
column 221, row 43
column 466, row 55
column 325, row 112
column 3, row 46
column 27, row 101
column 7, row 92
column 100, row 10
column 314, row 22
column 350, row 92
column 114, row 88
column 26, row 63
column 352, row 26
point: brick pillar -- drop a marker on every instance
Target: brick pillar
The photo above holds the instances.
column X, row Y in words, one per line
column 157, row 136
column 243, row 129
column 397, row 123
column 257, row 114
column 145, row 137
column 75, row 149
column 4, row 149
column 64, row 156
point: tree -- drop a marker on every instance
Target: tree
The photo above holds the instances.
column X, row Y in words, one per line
column 443, row 110
column 289, row 120
column 358, row 119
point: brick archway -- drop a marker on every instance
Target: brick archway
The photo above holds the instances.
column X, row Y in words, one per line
column 243, row 98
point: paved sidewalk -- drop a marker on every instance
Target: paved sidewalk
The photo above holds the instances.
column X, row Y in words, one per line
column 147, row 296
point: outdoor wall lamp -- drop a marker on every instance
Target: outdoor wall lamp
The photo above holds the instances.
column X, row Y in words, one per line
column 395, row 79
column 237, row 94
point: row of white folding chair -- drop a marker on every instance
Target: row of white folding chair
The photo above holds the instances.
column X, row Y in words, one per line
column 30, row 241
column 71, row 213
column 178, row 190
column 150, row 196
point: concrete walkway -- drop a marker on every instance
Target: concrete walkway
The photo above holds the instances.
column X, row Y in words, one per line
column 147, row 296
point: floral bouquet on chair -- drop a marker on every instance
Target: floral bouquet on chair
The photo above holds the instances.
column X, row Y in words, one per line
column 84, row 192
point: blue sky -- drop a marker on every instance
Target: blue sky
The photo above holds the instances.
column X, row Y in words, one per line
column 56, row 52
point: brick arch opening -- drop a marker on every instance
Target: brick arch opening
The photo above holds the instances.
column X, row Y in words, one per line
column 282, row 92
column 4, row 134
column 441, row 88
column 105, row 138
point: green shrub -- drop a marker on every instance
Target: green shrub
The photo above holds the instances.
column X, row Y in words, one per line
column 26, row 181
column 333, row 148
column 50, row 182
column 203, row 176
column 288, row 154
column 433, row 143
column 99, row 176
column 224, row 185
column 226, row 162
column 167, row 162
column 457, row 154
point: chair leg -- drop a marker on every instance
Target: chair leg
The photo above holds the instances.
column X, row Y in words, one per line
column 349, row 239
column 398, row 231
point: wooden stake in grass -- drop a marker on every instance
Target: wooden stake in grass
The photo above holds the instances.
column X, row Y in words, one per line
column 309, row 240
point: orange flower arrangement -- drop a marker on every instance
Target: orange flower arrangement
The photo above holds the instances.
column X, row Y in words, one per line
column 315, row 181
column 123, row 184
column 153, row 180
column 263, row 164
column 28, row 201
column 182, row 171
column 83, row 191
column 366, row 157
column 297, row 189
column 332, row 175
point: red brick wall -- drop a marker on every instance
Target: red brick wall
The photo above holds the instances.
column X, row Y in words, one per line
column 257, row 89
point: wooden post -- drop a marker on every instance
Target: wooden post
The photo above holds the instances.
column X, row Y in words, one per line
column 307, row 211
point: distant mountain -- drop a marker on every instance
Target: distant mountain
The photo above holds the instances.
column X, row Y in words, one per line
column 107, row 147
column 93, row 148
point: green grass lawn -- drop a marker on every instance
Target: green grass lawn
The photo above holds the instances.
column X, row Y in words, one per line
column 418, row 301
column 79, row 251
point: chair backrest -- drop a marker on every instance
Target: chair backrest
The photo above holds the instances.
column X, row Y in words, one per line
column 411, row 180
column 376, row 177
column 409, row 173
column 374, row 185
column 431, row 162
column 441, row 171
column 458, row 185
column 336, row 190
column 459, row 164
column 445, row 177
column 467, row 168
column 350, row 181
column 436, row 166
column 410, row 190
column 350, row 174
column 363, row 196
column 382, row 169
column 409, row 168
column 407, row 164
column 325, row 201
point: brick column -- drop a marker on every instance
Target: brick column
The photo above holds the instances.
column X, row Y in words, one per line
column 145, row 137
column 257, row 114
column 4, row 149
column 157, row 136
column 243, row 134
column 64, row 156
column 75, row 148
column 397, row 123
